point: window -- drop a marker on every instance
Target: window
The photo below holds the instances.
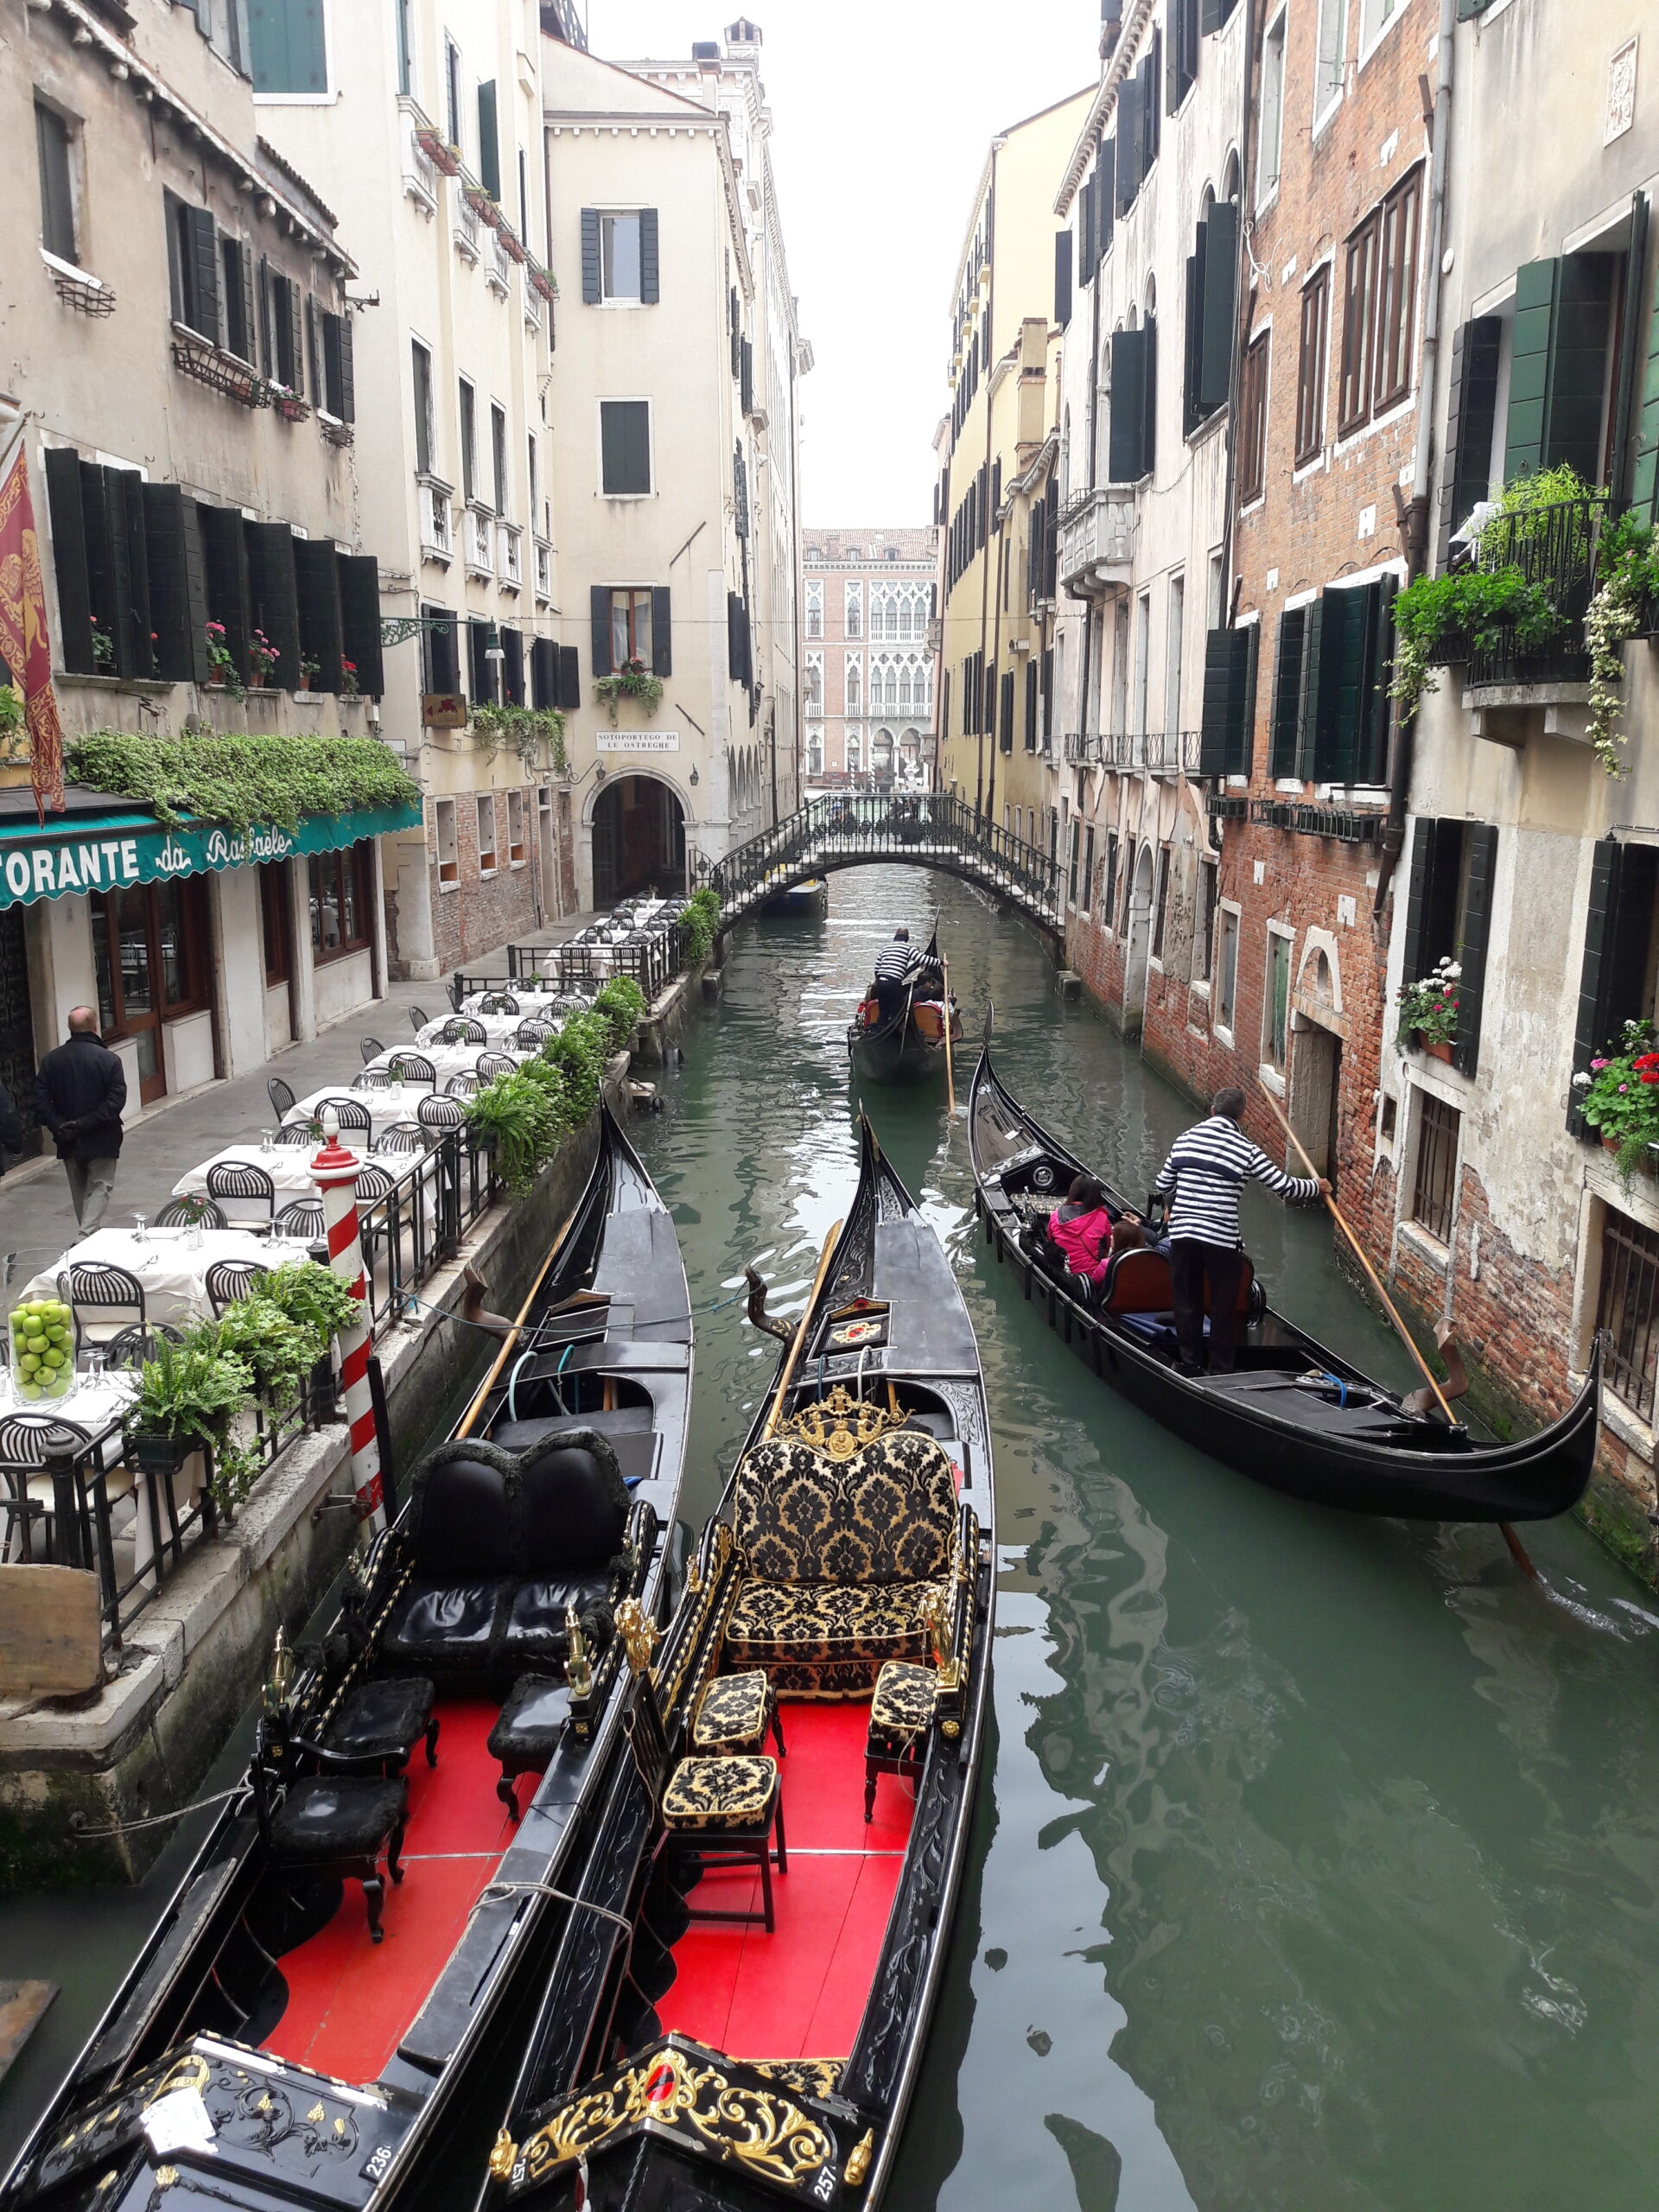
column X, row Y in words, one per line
column 629, row 628
column 815, row 609
column 815, row 753
column 1088, row 866
column 1173, row 653
column 1183, row 50
column 1285, row 720
column 1161, row 903
column 489, row 140
column 468, row 442
column 1375, row 15
column 289, row 53
column 1071, row 862
column 1227, row 968
column 815, row 683
column 620, row 256
column 440, row 652
column 284, row 355
column 854, row 685
column 1449, row 902
column 619, row 248
column 342, row 893
column 452, row 89
column 273, row 921
column 193, row 267
column 1276, row 1005
column 486, row 833
column 1434, row 1185
column 1120, row 668
column 1311, row 366
column 1109, row 888
column 1253, row 420
column 1397, row 289
column 515, row 828
column 1359, row 281
column 1142, row 653
column 854, row 618
column 625, row 448
column 1628, row 1308
column 498, row 455
column 1204, row 936
column 1328, row 60
column 339, row 391
column 51, row 136
column 421, row 361
column 854, row 753
column 237, row 272
column 443, row 821
column 1271, row 110
column 405, row 47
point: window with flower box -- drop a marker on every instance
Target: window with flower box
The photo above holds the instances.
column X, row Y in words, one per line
column 1449, row 916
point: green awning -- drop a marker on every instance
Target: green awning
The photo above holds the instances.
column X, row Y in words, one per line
column 106, row 847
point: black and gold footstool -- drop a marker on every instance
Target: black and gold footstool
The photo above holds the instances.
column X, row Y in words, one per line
column 723, row 1811
column 735, row 1711
column 901, row 1713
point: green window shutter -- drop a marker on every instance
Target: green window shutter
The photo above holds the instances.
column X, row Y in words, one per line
column 360, row 620
column 599, row 607
column 69, row 559
column 1471, row 406
column 1150, row 398
column 1423, row 835
column 250, row 317
column 1226, row 724
column 226, row 549
column 543, row 673
column 489, row 142
column 1062, row 282
column 626, row 446
column 1481, row 853
column 1617, row 934
column 1286, row 692
column 1220, row 264
column 1086, row 227
column 1644, row 487
column 1535, row 288
column 317, row 586
column 171, row 616
column 285, row 39
column 105, row 525
column 1307, row 707
column 348, row 371
column 1105, row 182
column 1192, row 355
column 590, row 285
column 1578, row 367
column 649, row 265
column 662, row 632
column 1372, row 763
column 204, row 273
column 273, row 597
column 1126, row 444
column 1344, row 670
column 1126, row 179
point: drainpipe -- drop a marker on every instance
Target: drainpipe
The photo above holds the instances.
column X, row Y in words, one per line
column 990, row 366
column 1415, row 530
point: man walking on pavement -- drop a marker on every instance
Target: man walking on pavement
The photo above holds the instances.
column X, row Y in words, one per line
column 80, row 1090
column 1205, row 1170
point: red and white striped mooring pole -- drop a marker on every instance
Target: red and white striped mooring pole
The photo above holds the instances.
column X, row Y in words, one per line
column 334, row 1171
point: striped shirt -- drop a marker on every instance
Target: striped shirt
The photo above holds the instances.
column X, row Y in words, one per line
column 894, row 961
column 1206, row 1169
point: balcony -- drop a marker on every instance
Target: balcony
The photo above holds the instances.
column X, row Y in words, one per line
column 498, row 266
column 1348, row 825
column 510, row 556
column 1082, row 748
column 420, row 174
column 437, row 541
column 1170, row 751
column 1097, row 540
column 480, row 542
column 466, row 226
column 543, row 572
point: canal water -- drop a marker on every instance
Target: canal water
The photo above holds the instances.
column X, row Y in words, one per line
column 1317, row 1861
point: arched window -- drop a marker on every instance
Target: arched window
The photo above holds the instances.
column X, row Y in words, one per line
column 854, row 618
column 854, row 753
column 853, row 700
column 815, row 608
column 815, row 753
column 815, row 683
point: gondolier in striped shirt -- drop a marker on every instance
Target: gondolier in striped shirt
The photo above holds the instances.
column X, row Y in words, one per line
column 893, row 963
column 1205, row 1172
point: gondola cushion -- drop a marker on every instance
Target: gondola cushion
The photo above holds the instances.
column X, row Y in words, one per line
column 534, row 1625
column 461, row 1511
column 573, row 1503
column 733, row 1714
column 1138, row 1282
column 884, row 1515
column 338, row 1816
column 526, row 1734
column 382, row 1720
column 816, row 1640
column 450, row 1624
column 901, row 1711
column 730, row 1796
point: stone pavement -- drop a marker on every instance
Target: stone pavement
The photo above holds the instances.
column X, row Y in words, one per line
column 37, row 1219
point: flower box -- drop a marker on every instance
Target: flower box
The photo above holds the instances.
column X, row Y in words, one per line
column 482, row 206
column 438, row 150
column 541, row 281
column 1438, row 1048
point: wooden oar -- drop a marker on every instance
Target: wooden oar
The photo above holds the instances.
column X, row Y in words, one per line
column 1516, row 1549
column 791, row 1363
column 949, row 1071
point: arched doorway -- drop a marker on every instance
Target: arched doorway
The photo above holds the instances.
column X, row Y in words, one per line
column 1134, row 966
column 639, row 839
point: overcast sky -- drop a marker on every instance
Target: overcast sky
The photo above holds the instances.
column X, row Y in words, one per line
column 883, row 112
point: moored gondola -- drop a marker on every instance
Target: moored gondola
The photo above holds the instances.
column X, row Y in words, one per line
column 808, row 901
column 452, row 1731
column 1293, row 1415
column 737, row 2014
column 906, row 1043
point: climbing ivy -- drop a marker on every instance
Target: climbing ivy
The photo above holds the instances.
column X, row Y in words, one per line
column 243, row 782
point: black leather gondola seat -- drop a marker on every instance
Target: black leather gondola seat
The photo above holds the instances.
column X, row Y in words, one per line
column 460, row 1537
column 573, row 1516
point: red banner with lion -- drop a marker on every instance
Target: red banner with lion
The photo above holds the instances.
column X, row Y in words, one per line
column 25, row 640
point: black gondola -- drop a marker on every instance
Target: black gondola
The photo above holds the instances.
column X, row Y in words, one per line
column 265, row 2047
column 675, row 2067
column 908, row 1046
column 1295, row 1415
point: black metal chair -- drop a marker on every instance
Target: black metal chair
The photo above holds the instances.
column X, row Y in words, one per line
column 490, row 1065
column 370, row 1048
column 414, row 1067
column 294, row 1133
column 98, row 1286
column 303, row 1218
column 141, row 1341
column 26, row 1441
column 403, row 1136
column 465, row 1029
column 192, row 1210
column 229, row 1279
column 418, row 1018
column 461, row 1086
column 372, row 1183
column 498, row 1003
column 281, row 1096
column 251, row 1191
column 531, row 1032
column 436, row 1113
column 350, row 1113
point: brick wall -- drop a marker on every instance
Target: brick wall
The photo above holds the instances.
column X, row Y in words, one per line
column 482, row 912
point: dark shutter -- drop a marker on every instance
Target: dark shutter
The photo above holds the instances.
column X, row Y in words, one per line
column 178, row 585
column 746, row 376
column 1150, row 74
column 1126, row 454
column 1063, row 290
column 347, row 371
column 1229, row 712
column 1213, row 14
column 599, row 611
column 480, row 669
column 316, row 586
column 662, row 634
column 1349, row 617
column 104, row 525
column 273, row 598
column 1480, row 852
column 294, row 334
column 1307, row 710
column 569, row 677
column 1192, row 354
column 225, row 547
column 127, row 494
column 1149, row 397
column 649, row 284
column 1424, row 834
column 1005, row 710
column 204, row 273
column 734, row 638
column 1220, row 260
column 267, row 336
column 1472, row 404
column 1086, row 227
column 513, row 668
column 1535, row 283
column 250, row 317
column 1032, row 679
column 1371, row 766
column 489, row 140
column 590, row 284
column 360, row 620
column 173, row 217
column 543, row 673
column 1128, row 166
column 1286, row 692
column 1644, row 482
column 1617, row 934
column 69, row 559
column 1578, row 367
column 442, row 650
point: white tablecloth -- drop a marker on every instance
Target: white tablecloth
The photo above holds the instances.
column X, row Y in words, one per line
column 530, row 995
column 447, row 1060
column 499, row 1029
column 173, row 1272
column 94, row 1402
column 289, row 1167
column 394, row 1102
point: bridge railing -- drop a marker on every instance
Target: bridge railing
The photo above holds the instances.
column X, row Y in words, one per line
column 902, row 826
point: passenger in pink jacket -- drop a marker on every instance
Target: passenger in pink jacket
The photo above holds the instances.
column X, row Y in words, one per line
column 1082, row 1229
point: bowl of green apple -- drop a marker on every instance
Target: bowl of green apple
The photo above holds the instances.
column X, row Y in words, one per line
column 43, row 1347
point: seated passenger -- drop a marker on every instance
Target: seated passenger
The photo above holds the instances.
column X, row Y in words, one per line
column 1082, row 1229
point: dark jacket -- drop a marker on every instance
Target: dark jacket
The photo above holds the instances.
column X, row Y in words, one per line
column 80, row 1090
column 11, row 1129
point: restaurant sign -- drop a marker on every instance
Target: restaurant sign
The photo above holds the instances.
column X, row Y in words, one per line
column 90, row 854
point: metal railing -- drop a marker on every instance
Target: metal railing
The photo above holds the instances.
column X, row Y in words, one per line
column 1082, row 748
column 937, row 829
column 1348, row 825
column 1094, row 529
column 1170, row 751
column 1555, row 548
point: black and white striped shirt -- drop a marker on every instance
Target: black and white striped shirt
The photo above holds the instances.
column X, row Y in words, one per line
column 894, row 961
column 1206, row 1169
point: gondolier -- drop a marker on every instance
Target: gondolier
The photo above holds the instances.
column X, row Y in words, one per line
column 1205, row 1170
column 892, row 964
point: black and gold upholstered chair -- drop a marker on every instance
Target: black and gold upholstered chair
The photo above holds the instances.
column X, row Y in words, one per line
column 724, row 1812
column 528, row 1730
column 901, row 1713
column 379, row 1722
column 329, row 1823
column 736, row 1713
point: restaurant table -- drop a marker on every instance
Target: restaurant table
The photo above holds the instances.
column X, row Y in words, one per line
column 387, row 1103
column 447, row 1060
column 529, row 995
column 171, row 1267
column 498, row 1029
column 94, row 1403
column 289, row 1167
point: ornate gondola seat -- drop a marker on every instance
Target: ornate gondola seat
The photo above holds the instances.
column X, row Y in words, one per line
column 528, row 1730
column 460, row 1540
column 735, row 1712
column 901, row 1713
column 843, row 1521
column 573, row 1514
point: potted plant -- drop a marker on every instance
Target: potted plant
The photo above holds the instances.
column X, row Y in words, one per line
column 222, row 664
column 263, row 657
column 633, row 680
column 442, row 155
column 482, row 206
column 309, row 671
column 1428, row 1009
column 103, row 649
column 189, row 1395
column 543, row 281
column 1618, row 1097
column 348, row 678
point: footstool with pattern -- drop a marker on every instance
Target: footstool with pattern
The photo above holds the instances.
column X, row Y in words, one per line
column 901, row 1713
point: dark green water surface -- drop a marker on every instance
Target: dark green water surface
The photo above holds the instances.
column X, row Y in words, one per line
column 1317, row 1861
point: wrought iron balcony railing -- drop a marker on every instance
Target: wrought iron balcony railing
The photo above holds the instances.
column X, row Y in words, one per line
column 1555, row 548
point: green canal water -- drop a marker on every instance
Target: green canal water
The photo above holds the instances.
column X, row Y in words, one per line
column 1317, row 1861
